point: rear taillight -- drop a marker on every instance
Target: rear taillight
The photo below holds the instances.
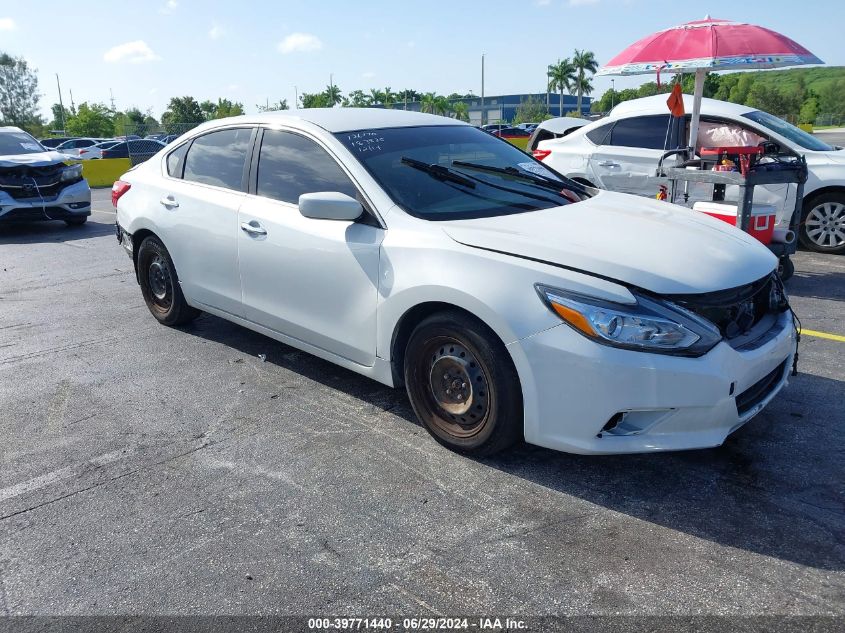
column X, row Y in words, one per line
column 118, row 189
column 540, row 154
column 104, row 153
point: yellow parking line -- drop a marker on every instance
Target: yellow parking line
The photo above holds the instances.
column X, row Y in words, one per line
column 832, row 337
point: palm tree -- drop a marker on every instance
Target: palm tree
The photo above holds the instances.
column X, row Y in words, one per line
column 584, row 62
column 461, row 111
column 441, row 105
column 561, row 77
column 333, row 95
column 376, row 96
column 427, row 102
column 584, row 85
column 389, row 97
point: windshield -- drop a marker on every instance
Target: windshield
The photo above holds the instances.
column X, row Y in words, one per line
column 788, row 131
column 12, row 143
column 457, row 172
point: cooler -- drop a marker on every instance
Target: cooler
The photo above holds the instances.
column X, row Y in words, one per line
column 762, row 222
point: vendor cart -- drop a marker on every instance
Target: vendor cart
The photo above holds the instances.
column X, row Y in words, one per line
column 757, row 168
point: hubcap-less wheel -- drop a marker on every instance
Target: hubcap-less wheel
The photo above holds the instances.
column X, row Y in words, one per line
column 160, row 284
column 825, row 225
column 457, row 388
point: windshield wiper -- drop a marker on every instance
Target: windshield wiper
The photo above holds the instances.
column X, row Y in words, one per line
column 439, row 171
column 513, row 171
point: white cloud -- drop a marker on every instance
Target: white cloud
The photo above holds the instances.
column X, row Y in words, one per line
column 135, row 52
column 216, row 32
column 411, row 44
column 582, row 3
column 300, row 43
column 233, row 87
column 368, row 75
column 7, row 24
column 169, row 7
column 542, row 3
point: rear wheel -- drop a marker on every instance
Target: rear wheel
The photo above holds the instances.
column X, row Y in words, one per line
column 823, row 226
column 160, row 285
column 77, row 220
column 462, row 384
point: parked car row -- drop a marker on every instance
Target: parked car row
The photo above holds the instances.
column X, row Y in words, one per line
column 129, row 146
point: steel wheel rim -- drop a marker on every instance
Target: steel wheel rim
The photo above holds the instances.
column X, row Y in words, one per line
column 161, row 288
column 457, row 389
column 825, row 224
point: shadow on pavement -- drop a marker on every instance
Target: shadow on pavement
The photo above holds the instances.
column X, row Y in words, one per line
column 774, row 488
column 52, row 231
column 817, row 285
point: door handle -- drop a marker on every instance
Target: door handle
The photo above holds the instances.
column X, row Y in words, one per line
column 169, row 201
column 253, row 228
column 608, row 163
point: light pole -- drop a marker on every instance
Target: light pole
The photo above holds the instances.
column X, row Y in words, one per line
column 61, row 107
column 483, row 113
column 612, row 92
column 296, row 98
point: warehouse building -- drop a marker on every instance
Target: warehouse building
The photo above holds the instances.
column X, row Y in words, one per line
column 503, row 107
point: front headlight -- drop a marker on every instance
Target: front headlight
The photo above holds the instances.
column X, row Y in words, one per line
column 649, row 326
column 72, row 172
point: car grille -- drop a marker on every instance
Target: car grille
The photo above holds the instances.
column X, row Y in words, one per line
column 759, row 391
column 736, row 311
column 24, row 182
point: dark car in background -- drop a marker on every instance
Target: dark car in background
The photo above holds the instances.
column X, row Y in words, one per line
column 511, row 132
column 53, row 143
column 137, row 150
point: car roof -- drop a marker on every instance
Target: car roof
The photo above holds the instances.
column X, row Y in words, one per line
column 342, row 119
column 560, row 124
column 11, row 128
column 657, row 105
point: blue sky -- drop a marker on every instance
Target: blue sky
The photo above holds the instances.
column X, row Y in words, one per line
column 146, row 52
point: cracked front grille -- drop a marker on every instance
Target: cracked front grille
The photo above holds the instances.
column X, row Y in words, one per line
column 24, row 182
column 738, row 310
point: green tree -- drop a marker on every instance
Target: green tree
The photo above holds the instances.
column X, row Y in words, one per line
column 333, row 96
column 376, row 97
column 282, row 104
column 314, row 100
column 585, row 62
column 561, row 77
column 584, row 86
column 356, row 99
column 389, row 97
column 209, row 109
column 60, row 116
column 530, row 111
column 133, row 121
column 461, row 110
column 226, row 108
column 428, row 101
column 182, row 114
column 91, row 120
column 18, row 93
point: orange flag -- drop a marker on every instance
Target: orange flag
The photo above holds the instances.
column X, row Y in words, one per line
column 676, row 101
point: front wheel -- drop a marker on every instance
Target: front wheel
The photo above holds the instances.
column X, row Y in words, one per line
column 160, row 285
column 462, row 384
column 823, row 227
column 78, row 220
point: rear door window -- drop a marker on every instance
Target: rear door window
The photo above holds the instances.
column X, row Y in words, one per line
column 218, row 158
column 176, row 161
column 290, row 164
column 599, row 134
column 647, row 132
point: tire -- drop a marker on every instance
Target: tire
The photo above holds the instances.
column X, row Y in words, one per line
column 823, row 223
column 463, row 385
column 160, row 285
column 77, row 221
column 785, row 268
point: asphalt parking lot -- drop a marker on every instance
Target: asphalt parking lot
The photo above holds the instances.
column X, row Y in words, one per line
column 173, row 471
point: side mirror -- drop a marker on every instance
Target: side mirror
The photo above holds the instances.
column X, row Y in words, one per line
column 329, row 205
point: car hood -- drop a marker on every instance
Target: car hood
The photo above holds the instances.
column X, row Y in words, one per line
column 657, row 246
column 38, row 159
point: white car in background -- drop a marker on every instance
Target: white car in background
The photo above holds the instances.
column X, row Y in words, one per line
column 419, row 250
column 74, row 146
column 553, row 128
column 621, row 153
column 96, row 151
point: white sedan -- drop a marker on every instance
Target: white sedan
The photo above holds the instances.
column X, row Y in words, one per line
column 621, row 153
column 511, row 302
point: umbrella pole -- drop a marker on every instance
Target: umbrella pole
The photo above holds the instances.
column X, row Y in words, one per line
column 696, row 108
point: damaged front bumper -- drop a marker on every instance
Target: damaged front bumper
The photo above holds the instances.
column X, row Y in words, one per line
column 72, row 201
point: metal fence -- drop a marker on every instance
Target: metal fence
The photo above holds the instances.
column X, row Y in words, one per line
column 144, row 141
